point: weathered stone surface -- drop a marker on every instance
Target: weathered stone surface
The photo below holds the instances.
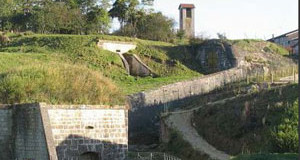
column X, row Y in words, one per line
column 136, row 66
column 215, row 56
column 116, row 46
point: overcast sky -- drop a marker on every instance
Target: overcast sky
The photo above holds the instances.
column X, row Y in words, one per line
column 237, row 18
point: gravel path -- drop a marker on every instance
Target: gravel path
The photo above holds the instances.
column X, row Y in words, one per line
column 182, row 123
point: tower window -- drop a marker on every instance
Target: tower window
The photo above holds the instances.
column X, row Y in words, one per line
column 189, row 13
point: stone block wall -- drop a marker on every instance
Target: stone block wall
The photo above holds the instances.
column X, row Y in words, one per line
column 40, row 132
column 77, row 132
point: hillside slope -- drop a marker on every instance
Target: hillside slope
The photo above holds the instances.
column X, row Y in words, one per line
column 172, row 63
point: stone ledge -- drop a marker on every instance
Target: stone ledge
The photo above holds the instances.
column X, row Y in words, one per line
column 49, row 106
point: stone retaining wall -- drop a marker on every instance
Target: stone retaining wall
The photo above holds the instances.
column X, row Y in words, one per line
column 184, row 89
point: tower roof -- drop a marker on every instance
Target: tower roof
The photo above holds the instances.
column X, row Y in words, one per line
column 186, row 6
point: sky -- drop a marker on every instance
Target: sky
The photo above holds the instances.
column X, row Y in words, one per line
column 238, row 19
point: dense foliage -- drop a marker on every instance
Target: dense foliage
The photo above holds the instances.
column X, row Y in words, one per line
column 53, row 16
column 85, row 17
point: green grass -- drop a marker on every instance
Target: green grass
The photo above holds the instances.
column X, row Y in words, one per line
column 256, row 45
column 285, row 156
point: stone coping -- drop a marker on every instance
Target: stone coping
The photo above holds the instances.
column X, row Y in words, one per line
column 49, row 106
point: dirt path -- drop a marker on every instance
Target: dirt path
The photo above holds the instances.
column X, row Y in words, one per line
column 182, row 123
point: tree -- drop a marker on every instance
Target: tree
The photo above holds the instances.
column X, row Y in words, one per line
column 6, row 11
column 156, row 26
column 119, row 10
column 98, row 20
column 56, row 17
column 148, row 2
column 222, row 36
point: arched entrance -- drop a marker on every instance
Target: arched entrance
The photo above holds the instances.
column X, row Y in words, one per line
column 90, row 156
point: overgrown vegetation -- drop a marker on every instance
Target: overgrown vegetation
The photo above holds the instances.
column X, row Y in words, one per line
column 261, row 122
column 55, row 83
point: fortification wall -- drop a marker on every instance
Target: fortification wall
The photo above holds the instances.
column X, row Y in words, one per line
column 184, row 89
column 214, row 56
column 40, row 131
column 146, row 106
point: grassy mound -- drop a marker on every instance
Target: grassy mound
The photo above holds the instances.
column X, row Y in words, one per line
column 57, row 84
column 260, row 122
column 253, row 45
column 168, row 61
column 172, row 63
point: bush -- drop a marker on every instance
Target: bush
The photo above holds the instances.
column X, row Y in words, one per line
column 4, row 39
column 57, row 84
column 285, row 135
column 28, row 33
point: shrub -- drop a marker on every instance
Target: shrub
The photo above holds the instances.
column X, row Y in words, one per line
column 285, row 135
column 28, row 33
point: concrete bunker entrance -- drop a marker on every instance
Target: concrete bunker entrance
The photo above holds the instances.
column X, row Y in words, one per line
column 90, row 156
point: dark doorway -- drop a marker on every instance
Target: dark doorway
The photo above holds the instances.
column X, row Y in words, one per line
column 90, row 156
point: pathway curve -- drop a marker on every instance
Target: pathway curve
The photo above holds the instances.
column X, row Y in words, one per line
column 182, row 123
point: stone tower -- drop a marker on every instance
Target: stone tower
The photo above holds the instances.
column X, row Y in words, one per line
column 187, row 19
